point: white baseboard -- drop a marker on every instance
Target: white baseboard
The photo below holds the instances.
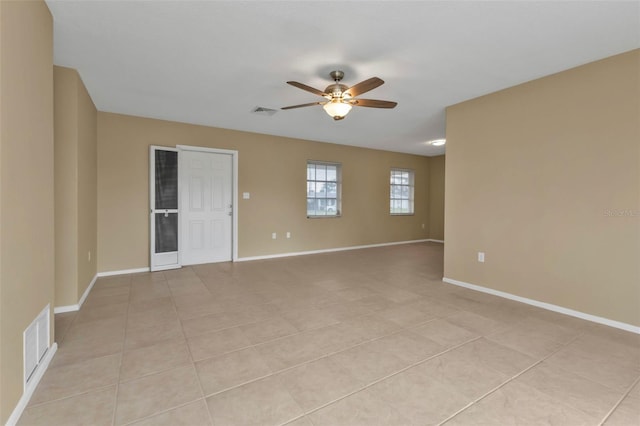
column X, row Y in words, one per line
column 77, row 306
column 66, row 308
column 304, row 253
column 435, row 241
column 123, row 272
column 31, row 386
column 548, row 306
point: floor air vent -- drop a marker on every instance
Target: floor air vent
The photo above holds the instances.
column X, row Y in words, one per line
column 35, row 343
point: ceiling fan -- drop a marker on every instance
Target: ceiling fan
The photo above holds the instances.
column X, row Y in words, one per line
column 341, row 98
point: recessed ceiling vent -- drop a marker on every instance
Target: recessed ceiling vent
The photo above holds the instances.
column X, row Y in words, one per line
column 263, row 111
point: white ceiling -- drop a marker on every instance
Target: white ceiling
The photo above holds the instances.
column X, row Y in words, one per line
column 213, row 62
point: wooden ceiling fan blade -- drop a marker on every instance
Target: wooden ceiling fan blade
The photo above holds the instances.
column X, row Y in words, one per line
column 307, row 88
column 364, row 86
column 373, row 103
column 303, row 105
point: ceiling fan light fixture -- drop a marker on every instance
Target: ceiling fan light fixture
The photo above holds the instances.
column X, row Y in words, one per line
column 337, row 109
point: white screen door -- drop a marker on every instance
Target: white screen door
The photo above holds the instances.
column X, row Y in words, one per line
column 163, row 196
column 206, row 207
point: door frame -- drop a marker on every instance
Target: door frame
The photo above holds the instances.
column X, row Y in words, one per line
column 234, row 192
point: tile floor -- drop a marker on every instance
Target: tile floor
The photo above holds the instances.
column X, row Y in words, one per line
column 366, row 337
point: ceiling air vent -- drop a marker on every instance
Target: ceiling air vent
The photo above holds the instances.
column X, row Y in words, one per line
column 263, row 111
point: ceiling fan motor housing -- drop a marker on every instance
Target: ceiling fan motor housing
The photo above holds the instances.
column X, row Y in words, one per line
column 336, row 90
column 336, row 75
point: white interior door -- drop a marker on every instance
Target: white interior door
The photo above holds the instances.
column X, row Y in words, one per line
column 206, row 207
column 163, row 197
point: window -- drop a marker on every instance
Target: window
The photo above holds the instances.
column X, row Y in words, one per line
column 323, row 189
column 401, row 192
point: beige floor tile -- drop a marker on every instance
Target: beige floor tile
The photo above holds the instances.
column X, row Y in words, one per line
column 74, row 351
column 585, row 395
column 331, row 284
column 476, row 323
column 93, row 408
column 300, row 421
column 408, row 346
column 149, row 290
column 374, row 303
column 153, row 359
column 151, row 394
column 290, row 351
column 370, row 326
column 151, row 304
column 273, row 328
column 519, row 404
column 369, row 362
column 628, row 412
column 100, row 313
column 210, row 323
column 559, row 319
column 105, row 300
column 103, row 291
column 147, row 336
column 62, row 323
column 69, row 380
column 264, row 402
column 354, row 293
column 319, row 382
column 108, row 329
column 148, row 277
column 394, row 294
column 611, row 334
column 494, row 356
column 623, row 352
column 418, row 397
column 217, row 343
column 345, row 310
column 226, row 371
column 534, row 345
column 180, row 287
column 540, row 328
column 192, row 414
column 461, row 374
column 443, row 332
column 307, row 318
column 196, row 305
column 433, row 307
column 292, row 334
column 179, row 274
column 606, row 363
column 192, row 300
column 364, row 408
column 113, row 281
column 405, row 316
column 151, row 317
column 334, row 338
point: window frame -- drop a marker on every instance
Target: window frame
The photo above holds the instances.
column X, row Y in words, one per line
column 338, row 181
column 410, row 185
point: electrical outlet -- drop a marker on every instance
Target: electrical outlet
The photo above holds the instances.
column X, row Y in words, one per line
column 273, row 236
column 89, row 256
column 481, row 256
column 288, row 234
column 423, row 226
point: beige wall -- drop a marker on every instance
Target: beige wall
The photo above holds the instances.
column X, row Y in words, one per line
column 272, row 169
column 75, row 119
column 26, row 183
column 436, row 197
column 87, row 189
column 533, row 173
